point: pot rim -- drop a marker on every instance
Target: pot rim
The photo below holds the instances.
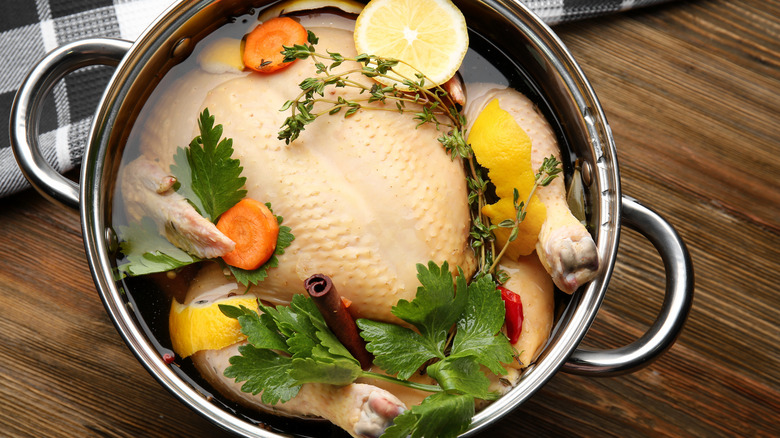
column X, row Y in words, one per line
column 582, row 309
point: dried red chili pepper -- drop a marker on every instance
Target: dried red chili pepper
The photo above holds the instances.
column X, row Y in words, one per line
column 514, row 314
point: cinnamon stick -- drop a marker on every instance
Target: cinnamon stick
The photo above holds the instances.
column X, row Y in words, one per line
column 321, row 289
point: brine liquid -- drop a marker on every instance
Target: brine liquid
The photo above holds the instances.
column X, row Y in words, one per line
column 151, row 302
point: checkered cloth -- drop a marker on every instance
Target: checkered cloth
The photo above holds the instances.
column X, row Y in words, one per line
column 30, row 28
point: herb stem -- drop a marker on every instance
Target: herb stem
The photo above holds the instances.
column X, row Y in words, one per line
column 426, row 91
column 346, row 104
column 517, row 224
column 413, row 385
column 548, row 171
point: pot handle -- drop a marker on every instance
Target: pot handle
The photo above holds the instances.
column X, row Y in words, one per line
column 674, row 311
column 26, row 111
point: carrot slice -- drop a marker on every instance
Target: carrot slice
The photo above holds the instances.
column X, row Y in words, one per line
column 254, row 229
column 264, row 44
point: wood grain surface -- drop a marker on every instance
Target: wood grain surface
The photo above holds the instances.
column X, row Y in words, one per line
column 692, row 93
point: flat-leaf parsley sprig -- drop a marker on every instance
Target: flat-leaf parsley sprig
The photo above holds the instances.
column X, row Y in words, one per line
column 206, row 172
column 290, row 346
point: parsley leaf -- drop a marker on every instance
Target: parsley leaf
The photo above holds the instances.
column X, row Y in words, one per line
column 434, row 311
column 260, row 329
column 443, row 303
column 315, row 354
column 440, row 415
column 461, row 375
column 263, row 370
column 338, row 371
column 210, row 179
column 312, row 337
column 478, row 330
column 294, row 323
column 147, row 252
column 397, row 350
column 207, row 174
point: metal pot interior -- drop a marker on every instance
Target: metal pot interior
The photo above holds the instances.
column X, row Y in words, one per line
column 554, row 81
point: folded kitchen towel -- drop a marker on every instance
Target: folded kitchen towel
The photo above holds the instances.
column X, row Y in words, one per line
column 31, row 28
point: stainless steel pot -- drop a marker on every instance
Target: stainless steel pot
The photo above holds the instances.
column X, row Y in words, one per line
column 513, row 29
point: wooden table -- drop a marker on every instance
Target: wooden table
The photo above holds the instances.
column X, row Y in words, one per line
column 692, row 92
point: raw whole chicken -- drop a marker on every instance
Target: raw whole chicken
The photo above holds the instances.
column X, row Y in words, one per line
column 367, row 198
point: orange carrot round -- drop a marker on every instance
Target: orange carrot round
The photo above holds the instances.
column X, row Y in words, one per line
column 254, row 229
column 262, row 51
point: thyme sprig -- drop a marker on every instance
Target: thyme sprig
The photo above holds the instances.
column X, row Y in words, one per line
column 436, row 105
column 426, row 105
column 549, row 170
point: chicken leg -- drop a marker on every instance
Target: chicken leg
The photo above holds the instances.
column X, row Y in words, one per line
column 564, row 247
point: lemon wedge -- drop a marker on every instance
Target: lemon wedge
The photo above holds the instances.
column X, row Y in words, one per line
column 501, row 145
column 428, row 35
column 197, row 327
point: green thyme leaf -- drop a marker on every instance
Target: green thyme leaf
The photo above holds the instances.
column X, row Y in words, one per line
column 232, row 311
column 311, row 37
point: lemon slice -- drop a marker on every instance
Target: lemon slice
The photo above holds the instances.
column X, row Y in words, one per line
column 196, row 327
column 429, row 35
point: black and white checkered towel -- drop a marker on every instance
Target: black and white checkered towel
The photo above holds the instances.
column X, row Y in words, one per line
column 30, row 28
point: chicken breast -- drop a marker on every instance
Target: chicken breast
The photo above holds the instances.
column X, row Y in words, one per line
column 367, row 197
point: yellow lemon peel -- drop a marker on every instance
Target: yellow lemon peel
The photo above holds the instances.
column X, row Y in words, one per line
column 501, row 146
column 197, row 327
